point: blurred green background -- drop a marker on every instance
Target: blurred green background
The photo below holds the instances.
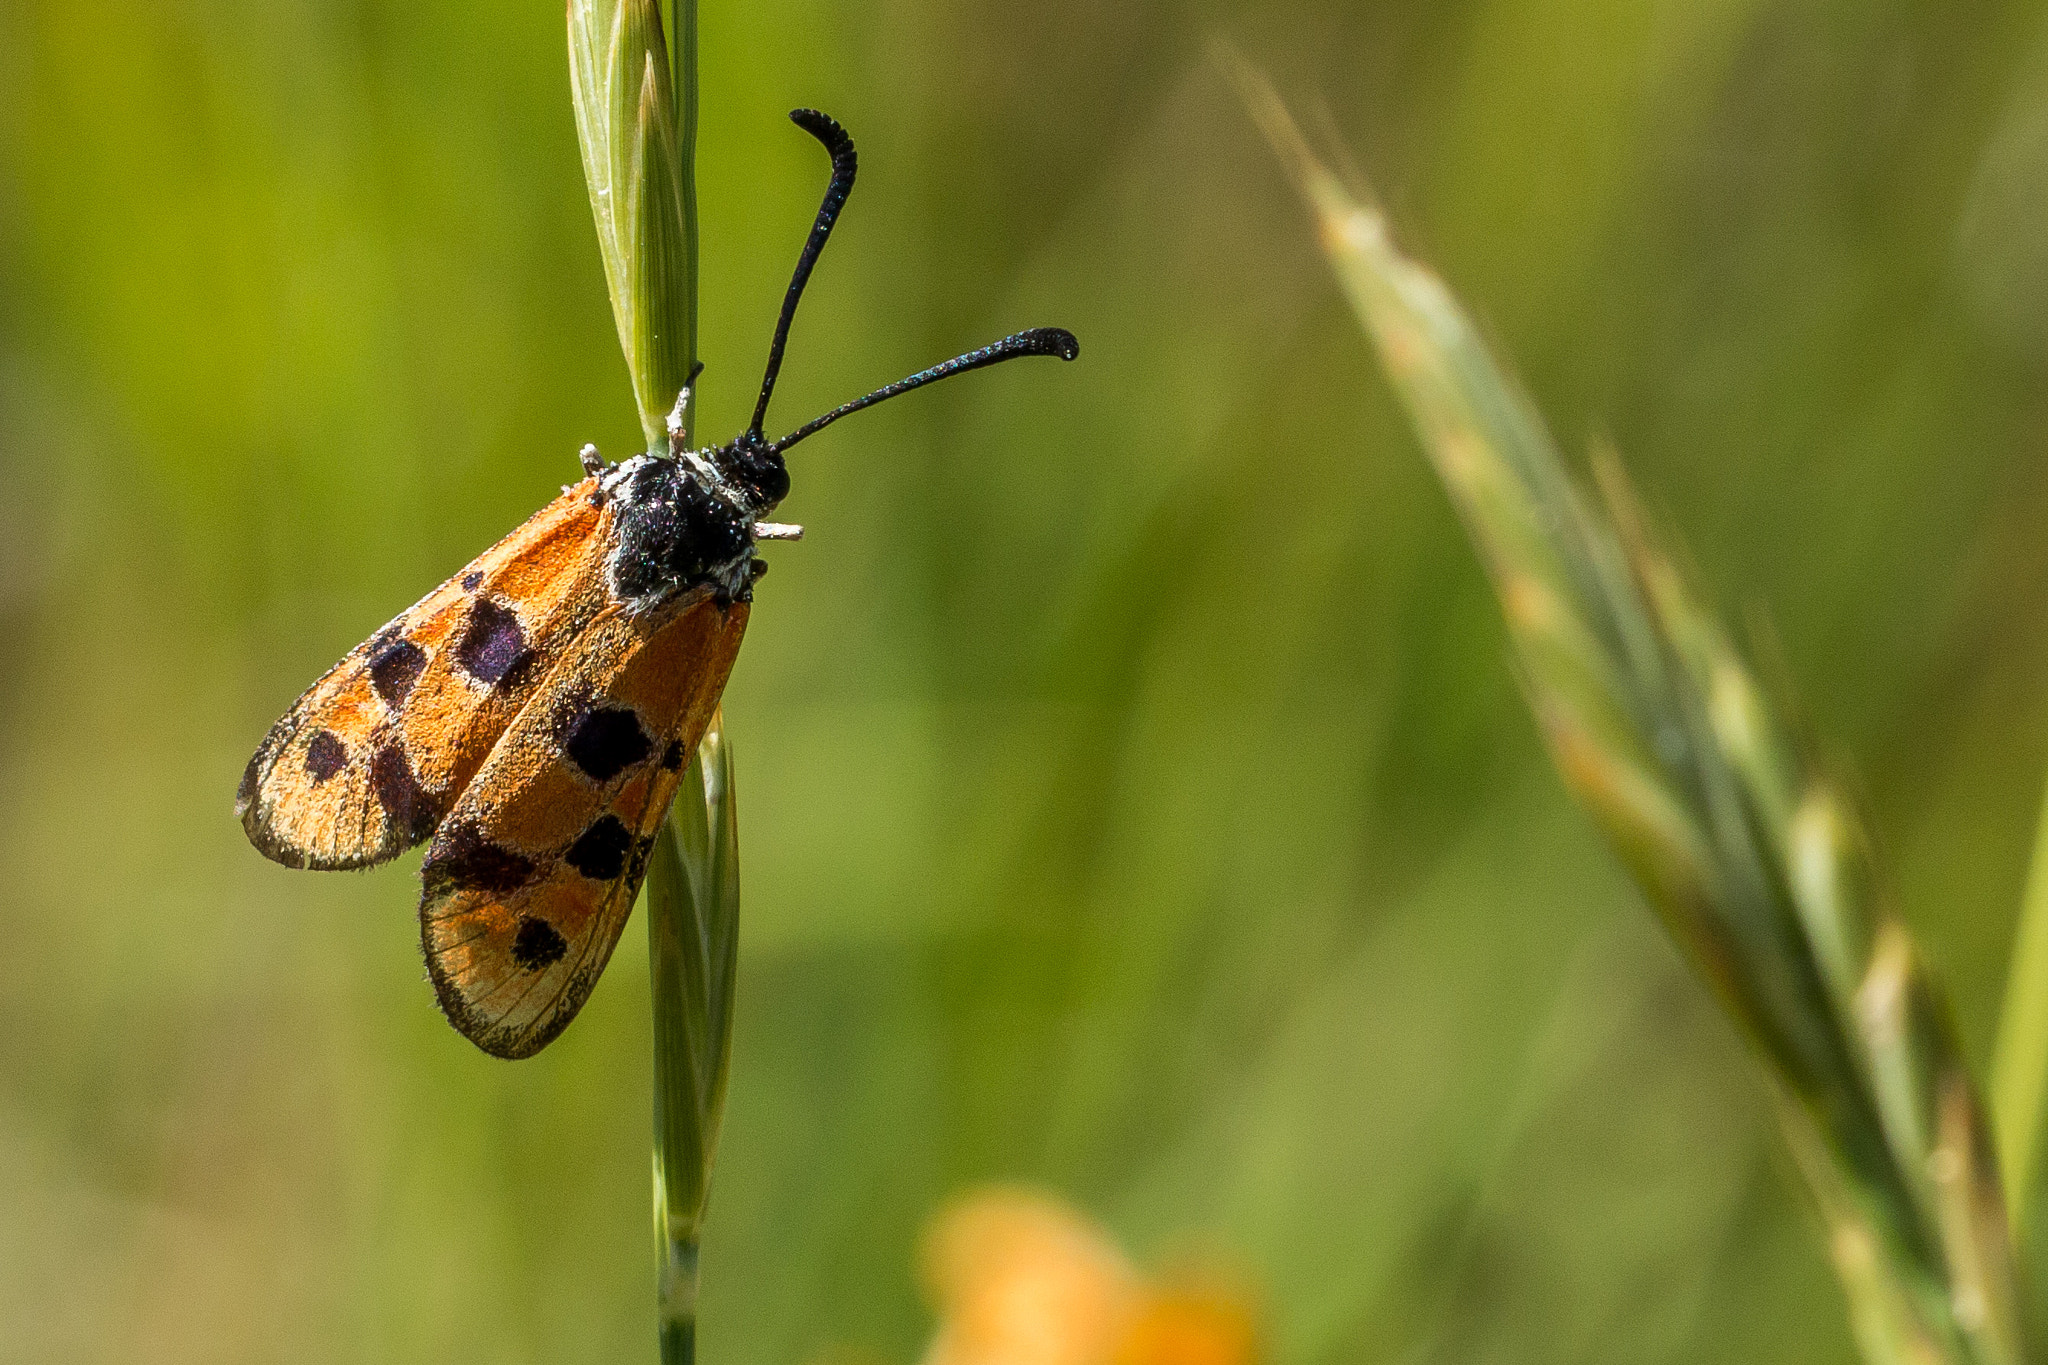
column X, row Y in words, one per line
column 1135, row 795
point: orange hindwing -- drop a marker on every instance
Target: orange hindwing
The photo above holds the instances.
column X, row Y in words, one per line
column 530, row 878
column 365, row 764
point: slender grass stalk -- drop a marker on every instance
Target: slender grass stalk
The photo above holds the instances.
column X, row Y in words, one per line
column 637, row 125
column 1753, row 860
column 634, row 83
column 682, row 35
column 2019, row 1073
column 693, row 895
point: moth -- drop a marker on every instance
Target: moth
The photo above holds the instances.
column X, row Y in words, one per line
column 533, row 715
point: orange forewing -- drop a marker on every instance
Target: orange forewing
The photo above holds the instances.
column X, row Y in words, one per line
column 364, row 764
column 531, row 877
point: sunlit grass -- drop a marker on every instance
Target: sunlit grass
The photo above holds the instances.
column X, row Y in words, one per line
column 1753, row 858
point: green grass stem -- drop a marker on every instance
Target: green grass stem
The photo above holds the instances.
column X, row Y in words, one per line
column 2019, row 1077
column 693, row 939
column 637, row 125
column 633, row 74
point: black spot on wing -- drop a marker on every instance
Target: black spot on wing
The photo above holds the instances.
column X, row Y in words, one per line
column 599, row 853
column 607, row 741
column 325, row 756
column 406, row 804
column 673, row 756
column 463, row 860
column 537, row 944
column 470, row 580
column 493, row 643
column 394, row 669
column 643, row 848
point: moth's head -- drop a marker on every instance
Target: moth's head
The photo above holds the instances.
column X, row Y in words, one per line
column 676, row 528
column 752, row 465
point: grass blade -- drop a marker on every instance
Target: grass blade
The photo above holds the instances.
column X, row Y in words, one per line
column 2019, row 1074
column 1749, row 855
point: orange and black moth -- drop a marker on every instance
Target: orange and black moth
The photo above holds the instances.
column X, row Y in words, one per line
column 534, row 714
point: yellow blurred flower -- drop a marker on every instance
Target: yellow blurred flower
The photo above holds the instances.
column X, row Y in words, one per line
column 1021, row 1278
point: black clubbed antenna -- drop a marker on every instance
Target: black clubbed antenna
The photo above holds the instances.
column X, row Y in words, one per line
column 827, row 130
column 1038, row 341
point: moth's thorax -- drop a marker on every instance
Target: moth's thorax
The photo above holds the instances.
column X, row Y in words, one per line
column 678, row 523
